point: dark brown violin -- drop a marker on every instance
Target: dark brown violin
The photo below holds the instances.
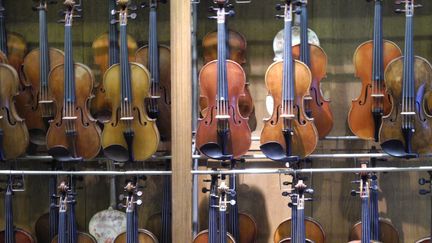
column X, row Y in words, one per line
column 217, row 222
column 407, row 129
column 223, row 133
column 299, row 228
column 39, row 108
column 130, row 134
column 133, row 234
column 157, row 59
column 423, row 181
column 12, row 234
column 316, row 106
column 288, row 134
column 106, row 53
column 370, row 60
column 73, row 133
column 236, row 51
column 67, row 226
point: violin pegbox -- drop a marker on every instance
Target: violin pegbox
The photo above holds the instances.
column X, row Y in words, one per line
column 131, row 197
column 222, row 10
column 124, row 12
column 152, row 3
column 73, row 10
column 409, row 6
column 224, row 191
column 289, row 7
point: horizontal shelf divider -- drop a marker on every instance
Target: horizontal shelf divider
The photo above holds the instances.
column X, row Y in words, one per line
column 84, row 172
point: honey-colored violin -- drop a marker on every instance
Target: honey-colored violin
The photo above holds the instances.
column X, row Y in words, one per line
column 407, row 129
column 315, row 105
column 39, row 108
column 370, row 60
column 288, row 134
column 223, row 133
column 73, row 133
column 106, row 53
column 157, row 59
column 130, row 135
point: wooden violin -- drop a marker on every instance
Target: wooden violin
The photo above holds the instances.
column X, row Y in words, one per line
column 423, row 181
column 133, row 234
column 214, row 232
column 382, row 230
column 315, row 105
column 12, row 234
column 299, row 228
column 130, row 135
column 222, row 133
column 73, row 133
column 241, row 226
column 371, row 58
column 236, row 51
column 407, row 129
column 160, row 223
column 106, row 53
column 67, row 227
column 157, row 59
column 288, row 134
column 39, row 108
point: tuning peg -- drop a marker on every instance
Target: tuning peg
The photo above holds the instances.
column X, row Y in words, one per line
column 418, row 6
column 279, row 16
column 399, row 10
column 206, row 180
column 423, row 181
column 132, row 7
column 309, row 191
column 424, row 192
column 229, row 6
column 114, row 12
column 285, row 194
column 114, row 21
column 212, row 10
column 286, row 183
column 121, row 197
column 53, row 205
column 398, row 2
column 279, row 7
column 232, row 202
column 139, row 193
column 121, row 206
column 138, row 202
column 290, row 204
column 354, row 193
column 212, row 17
column 230, row 13
column 205, row 190
column 356, row 182
column 132, row 16
column 308, row 199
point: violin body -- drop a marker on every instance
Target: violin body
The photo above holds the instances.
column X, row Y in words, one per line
column 388, row 233
column 360, row 117
column 144, row 236
column 15, row 137
column 21, row 236
column 146, row 139
column 203, row 237
column 237, row 53
column 248, row 228
column 304, row 136
column 314, row 232
column 163, row 120
column 82, row 237
column 86, row 142
column 318, row 105
column 100, row 107
column 391, row 136
column 239, row 140
column 17, row 49
column 35, row 114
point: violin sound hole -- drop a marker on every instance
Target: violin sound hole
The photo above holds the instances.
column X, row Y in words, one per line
column 85, row 124
column 316, row 98
column 9, row 116
column 362, row 102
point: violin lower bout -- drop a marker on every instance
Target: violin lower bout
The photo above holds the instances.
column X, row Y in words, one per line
column 21, row 236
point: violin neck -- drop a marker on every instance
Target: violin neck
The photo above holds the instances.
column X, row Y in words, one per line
column 378, row 54
column 153, row 54
column 366, row 234
column 374, row 211
column 166, row 211
column 233, row 223
column 304, row 41
column 69, row 72
column 9, row 227
column 3, row 33
column 61, row 236
column 294, row 220
column 408, row 72
column 288, row 66
column 124, row 64
column 113, row 35
column 72, row 231
column 300, row 225
column 222, row 225
column 43, row 48
column 213, row 228
column 130, row 227
column 222, row 73
column 53, row 212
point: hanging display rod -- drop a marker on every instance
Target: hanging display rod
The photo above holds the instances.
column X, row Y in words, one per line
column 312, row 170
column 84, row 172
column 257, row 138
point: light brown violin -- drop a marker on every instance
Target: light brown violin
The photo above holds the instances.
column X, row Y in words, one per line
column 73, row 133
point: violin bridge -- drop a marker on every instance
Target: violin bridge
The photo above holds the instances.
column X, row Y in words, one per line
column 46, row 101
column 126, row 118
column 223, row 117
column 408, row 113
column 155, row 97
column 307, row 97
column 377, row 95
column 69, row 118
column 287, row 115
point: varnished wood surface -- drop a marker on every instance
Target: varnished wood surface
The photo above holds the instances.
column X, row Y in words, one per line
column 387, row 234
column 21, row 236
column 314, row 231
column 144, row 236
column 82, row 237
column 202, row 237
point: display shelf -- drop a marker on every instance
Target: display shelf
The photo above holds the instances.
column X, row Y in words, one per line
column 84, row 172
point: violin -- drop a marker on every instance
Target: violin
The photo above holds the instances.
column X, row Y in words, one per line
column 160, row 223
column 133, row 234
column 105, row 54
column 14, row 137
column 222, row 133
column 236, row 51
column 371, row 58
column 288, row 134
column 39, row 108
column 67, row 228
column 46, row 225
column 241, row 226
column 423, row 181
column 73, row 133
column 316, row 106
column 299, row 228
column 12, row 234
column 406, row 130
column 130, row 135
column 157, row 58
column 212, row 235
